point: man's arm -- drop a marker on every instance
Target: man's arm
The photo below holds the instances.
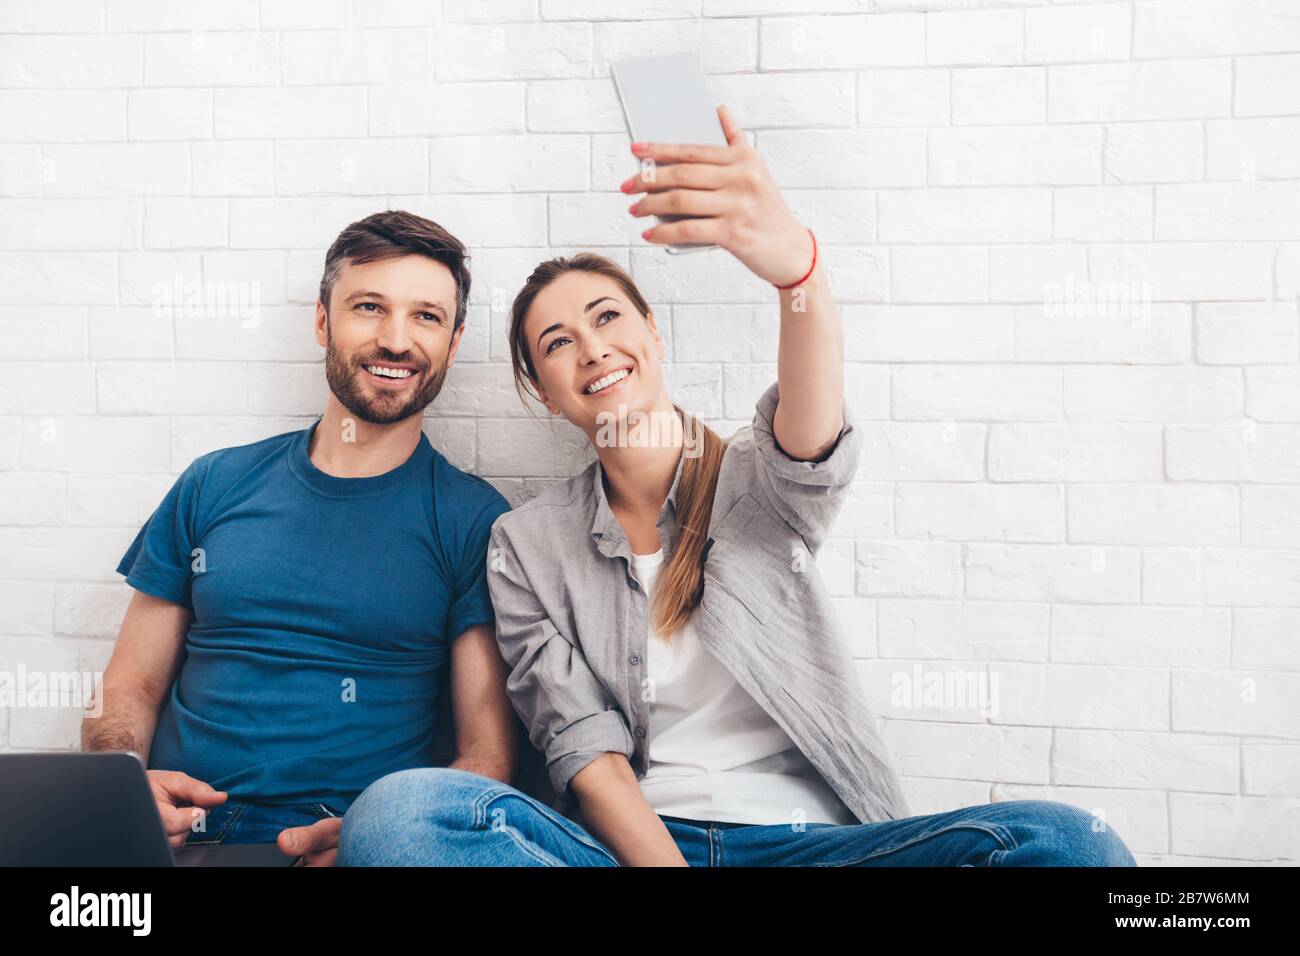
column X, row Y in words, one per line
column 487, row 742
column 145, row 662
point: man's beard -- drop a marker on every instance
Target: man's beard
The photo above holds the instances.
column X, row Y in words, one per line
column 381, row 408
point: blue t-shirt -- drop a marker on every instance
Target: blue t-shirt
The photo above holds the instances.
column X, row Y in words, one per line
column 323, row 613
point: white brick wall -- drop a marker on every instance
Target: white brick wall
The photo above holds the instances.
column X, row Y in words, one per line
column 1066, row 238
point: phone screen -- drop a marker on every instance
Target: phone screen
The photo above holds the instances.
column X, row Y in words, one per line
column 666, row 100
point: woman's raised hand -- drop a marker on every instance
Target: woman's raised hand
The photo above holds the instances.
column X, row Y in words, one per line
column 731, row 191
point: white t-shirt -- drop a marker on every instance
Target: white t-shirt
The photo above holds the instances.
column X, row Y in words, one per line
column 715, row 754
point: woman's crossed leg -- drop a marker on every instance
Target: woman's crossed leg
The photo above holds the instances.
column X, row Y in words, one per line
column 446, row 817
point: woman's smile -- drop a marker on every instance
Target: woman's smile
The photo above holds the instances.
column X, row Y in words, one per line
column 611, row 382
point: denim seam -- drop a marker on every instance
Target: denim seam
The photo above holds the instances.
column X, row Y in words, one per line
column 995, row 858
column 225, row 828
column 528, row 847
column 480, row 806
column 481, row 822
column 999, row 833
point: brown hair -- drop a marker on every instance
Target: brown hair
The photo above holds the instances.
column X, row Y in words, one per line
column 394, row 232
column 681, row 583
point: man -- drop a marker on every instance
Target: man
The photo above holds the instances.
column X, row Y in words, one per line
column 303, row 602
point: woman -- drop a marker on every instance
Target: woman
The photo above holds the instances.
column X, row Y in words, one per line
column 671, row 647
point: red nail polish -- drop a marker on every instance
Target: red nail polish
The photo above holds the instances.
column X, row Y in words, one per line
column 632, row 208
column 636, row 147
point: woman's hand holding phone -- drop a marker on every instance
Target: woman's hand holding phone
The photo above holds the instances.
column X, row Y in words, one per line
column 734, row 202
column 742, row 211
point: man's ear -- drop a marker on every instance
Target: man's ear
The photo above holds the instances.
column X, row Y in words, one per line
column 322, row 317
column 455, row 344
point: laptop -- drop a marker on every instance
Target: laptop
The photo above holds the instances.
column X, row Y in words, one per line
column 97, row 809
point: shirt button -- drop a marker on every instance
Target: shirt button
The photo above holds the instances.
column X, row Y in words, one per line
column 634, row 659
column 640, row 731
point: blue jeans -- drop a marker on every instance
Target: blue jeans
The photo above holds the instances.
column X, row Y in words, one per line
column 445, row 817
column 237, row 821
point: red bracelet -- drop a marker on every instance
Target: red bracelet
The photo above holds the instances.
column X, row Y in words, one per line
column 810, row 268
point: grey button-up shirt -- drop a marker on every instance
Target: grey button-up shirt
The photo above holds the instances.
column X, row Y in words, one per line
column 572, row 621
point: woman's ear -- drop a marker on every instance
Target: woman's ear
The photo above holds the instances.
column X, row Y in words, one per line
column 546, row 399
column 659, row 339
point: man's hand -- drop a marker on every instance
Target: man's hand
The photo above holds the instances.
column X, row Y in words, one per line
column 181, row 800
column 318, row 844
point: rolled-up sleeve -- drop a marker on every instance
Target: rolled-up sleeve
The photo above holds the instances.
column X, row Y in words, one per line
column 808, row 495
column 570, row 715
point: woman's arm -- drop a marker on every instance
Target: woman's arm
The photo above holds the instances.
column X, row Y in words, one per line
column 742, row 211
column 809, row 370
column 571, row 717
column 618, row 815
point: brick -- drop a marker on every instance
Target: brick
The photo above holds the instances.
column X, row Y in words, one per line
column 965, row 511
column 976, row 393
column 1247, row 149
column 966, row 215
column 1112, row 325
column 1214, row 27
column 842, row 42
column 1082, row 33
column 514, row 52
column 1246, row 333
column 1042, row 572
column 903, row 98
column 1238, row 450
column 1267, row 85
column 1168, row 514
column 962, row 37
column 1162, row 89
column 1074, row 451
column 1013, row 155
column 1156, row 152
column 1173, row 394
column 998, row 95
column 844, row 158
column 909, row 569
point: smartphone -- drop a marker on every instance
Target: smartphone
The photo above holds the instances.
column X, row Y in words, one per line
column 666, row 100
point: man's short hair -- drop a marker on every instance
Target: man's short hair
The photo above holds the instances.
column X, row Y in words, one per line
column 396, row 232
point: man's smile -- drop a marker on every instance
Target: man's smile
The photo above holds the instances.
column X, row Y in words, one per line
column 391, row 378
